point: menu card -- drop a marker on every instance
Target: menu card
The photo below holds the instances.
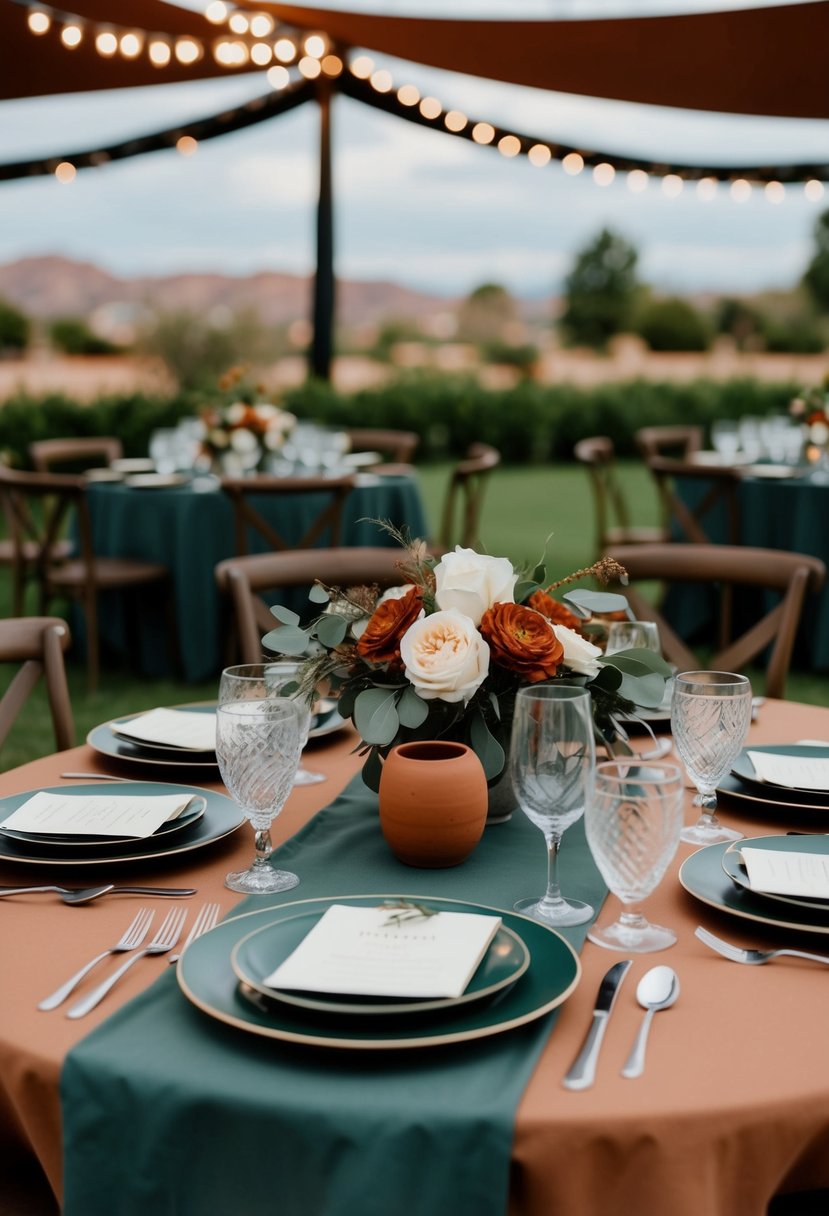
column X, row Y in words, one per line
column 133, row 816
column 173, row 727
column 779, row 873
column 376, row 952
column 793, row 772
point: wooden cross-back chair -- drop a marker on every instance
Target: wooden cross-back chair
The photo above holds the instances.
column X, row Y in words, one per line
column 790, row 575
column 48, row 454
column 37, row 643
column 59, row 498
column 613, row 526
column 720, row 493
column 679, row 442
column 464, row 500
column 244, row 579
column 325, row 525
column 398, row 447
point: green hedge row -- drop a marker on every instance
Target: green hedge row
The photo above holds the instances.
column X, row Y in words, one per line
column 527, row 423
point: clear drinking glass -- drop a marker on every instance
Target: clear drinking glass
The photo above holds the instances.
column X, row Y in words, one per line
column 632, row 824
column 252, row 681
column 627, row 635
column 257, row 749
column 710, row 717
column 553, row 760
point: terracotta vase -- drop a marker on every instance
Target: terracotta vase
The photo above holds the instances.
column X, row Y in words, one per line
column 433, row 802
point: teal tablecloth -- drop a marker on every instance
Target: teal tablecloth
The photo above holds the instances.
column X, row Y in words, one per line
column 788, row 514
column 190, row 532
column 168, row 1111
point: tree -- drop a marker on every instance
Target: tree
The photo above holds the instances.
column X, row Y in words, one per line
column 673, row 324
column 600, row 291
column 487, row 314
column 14, row 328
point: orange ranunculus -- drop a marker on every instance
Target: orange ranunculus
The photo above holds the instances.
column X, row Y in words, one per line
column 553, row 610
column 522, row 641
column 380, row 642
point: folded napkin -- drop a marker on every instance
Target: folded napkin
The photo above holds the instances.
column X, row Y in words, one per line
column 172, row 727
column 74, row 814
column 784, row 873
column 792, row 772
column 388, row 952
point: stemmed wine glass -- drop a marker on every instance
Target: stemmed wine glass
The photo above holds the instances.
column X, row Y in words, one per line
column 278, row 678
column 710, row 717
column 632, row 824
column 553, row 759
column 258, row 742
column 628, row 635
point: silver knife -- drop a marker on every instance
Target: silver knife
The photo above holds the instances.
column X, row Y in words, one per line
column 583, row 1069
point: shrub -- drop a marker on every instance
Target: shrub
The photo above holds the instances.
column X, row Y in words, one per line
column 73, row 336
column 673, row 325
column 14, row 328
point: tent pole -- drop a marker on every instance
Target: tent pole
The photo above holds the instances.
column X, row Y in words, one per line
column 323, row 303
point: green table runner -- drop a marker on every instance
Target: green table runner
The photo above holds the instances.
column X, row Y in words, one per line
column 169, row 1111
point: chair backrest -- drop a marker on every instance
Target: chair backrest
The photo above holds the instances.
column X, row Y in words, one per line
column 720, row 493
column 332, row 493
column 789, row 575
column 463, row 504
column 677, row 441
column 245, row 578
column 47, row 454
column 37, row 643
column 38, row 531
column 598, row 456
column 396, row 446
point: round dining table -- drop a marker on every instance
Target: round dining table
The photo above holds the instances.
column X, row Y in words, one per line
column 188, row 527
column 733, row 1107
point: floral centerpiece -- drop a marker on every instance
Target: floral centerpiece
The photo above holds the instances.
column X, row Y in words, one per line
column 442, row 655
column 241, row 433
column 811, row 409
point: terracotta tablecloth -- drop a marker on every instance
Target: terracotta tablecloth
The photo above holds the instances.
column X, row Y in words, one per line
column 733, row 1107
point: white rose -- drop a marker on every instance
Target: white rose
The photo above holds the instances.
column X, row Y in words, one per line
column 243, row 441
column 236, row 412
column 579, row 654
column 445, row 656
column 395, row 593
column 819, row 433
column 472, row 582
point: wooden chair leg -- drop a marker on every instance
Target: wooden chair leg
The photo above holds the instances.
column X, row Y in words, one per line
column 90, row 607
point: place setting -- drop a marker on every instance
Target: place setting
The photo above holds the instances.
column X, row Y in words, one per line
column 97, row 822
column 791, row 778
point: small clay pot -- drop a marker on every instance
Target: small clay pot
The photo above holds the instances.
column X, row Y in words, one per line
column 433, row 802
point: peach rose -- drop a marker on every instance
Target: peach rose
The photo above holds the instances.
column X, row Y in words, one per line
column 553, row 610
column 444, row 656
column 523, row 641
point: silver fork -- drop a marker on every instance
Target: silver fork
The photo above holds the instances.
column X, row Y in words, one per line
column 205, row 920
column 738, row 955
column 168, row 934
column 131, row 938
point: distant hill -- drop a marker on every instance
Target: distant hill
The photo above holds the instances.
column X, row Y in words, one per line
column 49, row 287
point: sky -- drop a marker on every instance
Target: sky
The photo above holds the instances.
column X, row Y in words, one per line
column 413, row 205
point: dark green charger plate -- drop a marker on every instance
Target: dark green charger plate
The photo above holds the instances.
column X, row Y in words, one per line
column 221, row 817
column 207, row 980
column 738, row 874
column 703, row 876
column 745, row 771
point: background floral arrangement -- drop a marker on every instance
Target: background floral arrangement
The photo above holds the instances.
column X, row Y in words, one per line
column 248, row 428
column 812, row 409
column 443, row 654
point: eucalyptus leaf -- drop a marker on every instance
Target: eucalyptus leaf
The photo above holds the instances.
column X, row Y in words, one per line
column 372, row 770
column 540, row 573
column 647, row 691
column 331, row 629
column 609, row 678
column 288, row 639
column 626, row 663
column 318, row 595
column 411, row 710
column 644, row 657
column 524, row 589
column 592, row 602
column 486, row 747
column 375, row 716
column 284, row 614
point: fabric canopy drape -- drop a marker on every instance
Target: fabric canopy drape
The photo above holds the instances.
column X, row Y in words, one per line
column 767, row 61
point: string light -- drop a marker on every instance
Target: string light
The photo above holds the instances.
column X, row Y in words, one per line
column 454, row 121
column 261, row 25
column 71, row 36
column 39, row 21
column 261, row 54
column 65, row 172
column 188, row 50
column 217, row 12
column 362, row 67
column 637, row 181
column 775, row 192
column 315, row 46
column 430, row 108
column 381, row 81
column 672, row 185
column 408, row 95
column 539, row 155
column 131, row 45
column 310, row 68
column 159, row 52
column 278, row 77
column 106, row 44
column 483, row 133
column 603, row 173
column 509, row 145
column 332, row 65
column 813, row 190
column 706, row 189
column 284, row 50
column 186, row 145
column 573, row 163
column 238, row 23
column 740, row 190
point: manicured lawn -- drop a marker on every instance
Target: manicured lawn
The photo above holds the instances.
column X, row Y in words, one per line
column 526, row 510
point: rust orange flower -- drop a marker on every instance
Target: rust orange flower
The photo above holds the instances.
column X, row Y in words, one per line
column 380, row 642
column 553, row 610
column 522, row 641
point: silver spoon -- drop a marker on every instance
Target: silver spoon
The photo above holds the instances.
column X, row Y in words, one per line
column 657, row 989
column 85, row 895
